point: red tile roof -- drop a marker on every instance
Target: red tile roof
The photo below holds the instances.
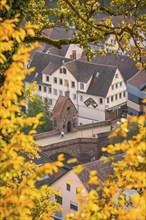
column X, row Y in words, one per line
column 59, row 105
column 139, row 79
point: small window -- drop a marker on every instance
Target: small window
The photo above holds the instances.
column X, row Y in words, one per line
column 112, row 98
column 40, row 88
column 120, row 95
column 50, row 101
column 55, row 80
column 64, row 71
column 82, row 86
column 116, row 76
column 72, row 84
column 112, row 87
column 81, row 98
column 74, row 96
column 60, row 70
column 101, row 101
column 45, row 89
column 107, row 100
column 66, row 82
column 116, row 85
column 120, row 83
column 60, row 81
column 50, row 90
column 124, row 94
column 60, row 92
column 47, row 78
column 55, row 91
column 116, row 97
column 68, row 187
column 45, row 100
column 58, row 199
column 73, row 206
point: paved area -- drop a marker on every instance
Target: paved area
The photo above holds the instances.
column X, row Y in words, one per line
column 88, row 133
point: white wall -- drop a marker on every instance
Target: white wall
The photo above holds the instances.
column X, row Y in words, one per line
column 68, row 196
column 116, row 91
column 74, row 47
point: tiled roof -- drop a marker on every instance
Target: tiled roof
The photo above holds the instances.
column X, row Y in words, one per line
column 54, row 63
column 125, row 64
column 103, row 170
column 102, row 75
column 44, row 63
column 61, row 101
column 47, row 179
column 139, row 79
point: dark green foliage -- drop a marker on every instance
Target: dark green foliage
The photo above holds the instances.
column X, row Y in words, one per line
column 38, row 106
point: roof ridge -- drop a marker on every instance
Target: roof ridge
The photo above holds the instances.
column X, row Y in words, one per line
column 97, row 64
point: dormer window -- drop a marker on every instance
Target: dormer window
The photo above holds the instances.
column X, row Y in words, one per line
column 47, row 78
column 63, row 70
column 81, row 86
column 116, row 76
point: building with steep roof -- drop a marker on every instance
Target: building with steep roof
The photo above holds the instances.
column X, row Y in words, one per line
column 64, row 115
column 97, row 88
column 136, row 87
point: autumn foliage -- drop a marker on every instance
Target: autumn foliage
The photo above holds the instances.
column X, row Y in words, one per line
column 19, row 198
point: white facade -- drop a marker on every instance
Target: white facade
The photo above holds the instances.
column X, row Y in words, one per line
column 62, row 81
column 67, row 185
column 74, row 51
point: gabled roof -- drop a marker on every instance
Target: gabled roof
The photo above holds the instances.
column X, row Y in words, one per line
column 103, row 170
column 125, row 64
column 62, row 32
column 54, row 63
column 61, row 101
column 102, row 75
column 139, row 79
column 59, row 33
column 44, row 63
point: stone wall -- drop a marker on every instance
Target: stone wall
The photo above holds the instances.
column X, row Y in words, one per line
column 84, row 149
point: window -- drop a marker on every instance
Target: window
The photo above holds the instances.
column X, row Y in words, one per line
column 60, row 81
column 112, row 87
column 107, row 100
column 116, row 97
column 66, row 82
column 68, row 187
column 116, row 76
column 58, row 199
column 116, row 85
column 47, row 78
column 50, row 101
column 55, row 80
column 73, row 206
column 120, row 83
column 64, row 71
column 60, row 92
column 60, row 70
column 40, row 88
column 81, row 98
column 45, row 89
column 120, row 95
column 101, row 101
column 82, row 86
column 45, row 100
column 112, row 98
column 55, row 91
column 74, row 96
column 50, row 90
column 124, row 94
column 72, row 84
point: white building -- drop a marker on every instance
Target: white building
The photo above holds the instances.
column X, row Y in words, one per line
column 98, row 91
